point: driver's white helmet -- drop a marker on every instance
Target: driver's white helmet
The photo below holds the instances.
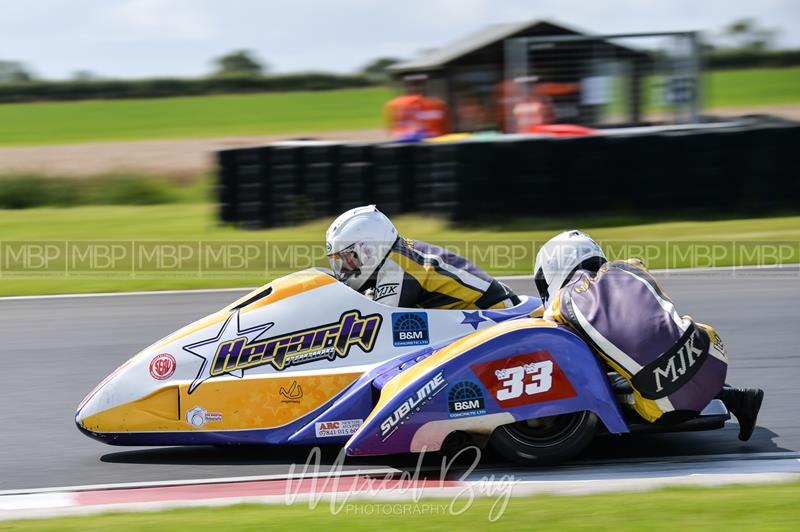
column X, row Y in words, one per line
column 357, row 242
column 561, row 257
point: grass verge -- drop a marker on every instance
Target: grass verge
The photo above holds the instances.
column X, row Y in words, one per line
column 746, row 507
column 146, row 235
column 751, row 87
column 192, row 117
column 25, row 191
column 294, row 112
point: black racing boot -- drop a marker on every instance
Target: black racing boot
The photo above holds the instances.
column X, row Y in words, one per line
column 744, row 404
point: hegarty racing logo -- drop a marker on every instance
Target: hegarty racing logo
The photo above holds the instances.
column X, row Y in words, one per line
column 410, row 328
column 403, row 412
column 327, row 341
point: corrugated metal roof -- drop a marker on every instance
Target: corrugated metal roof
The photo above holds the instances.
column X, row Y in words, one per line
column 475, row 41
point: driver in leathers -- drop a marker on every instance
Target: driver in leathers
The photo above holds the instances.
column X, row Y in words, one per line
column 367, row 254
column 674, row 365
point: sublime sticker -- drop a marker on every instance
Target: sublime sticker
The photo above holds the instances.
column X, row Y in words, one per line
column 344, row 427
column 412, row 404
column 410, row 328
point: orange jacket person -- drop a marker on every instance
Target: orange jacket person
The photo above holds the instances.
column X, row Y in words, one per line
column 415, row 116
column 534, row 111
column 508, row 95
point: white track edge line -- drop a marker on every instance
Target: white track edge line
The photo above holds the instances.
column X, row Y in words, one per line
column 523, row 489
column 391, row 470
column 197, row 482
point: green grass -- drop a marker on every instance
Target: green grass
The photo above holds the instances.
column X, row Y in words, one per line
column 762, row 86
column 25, row 191
column 747, row 507
column 195, row 116
column 500, row 248
column 291, row 113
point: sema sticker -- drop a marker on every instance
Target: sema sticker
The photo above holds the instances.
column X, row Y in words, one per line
column 162, row 367
column 330, row 429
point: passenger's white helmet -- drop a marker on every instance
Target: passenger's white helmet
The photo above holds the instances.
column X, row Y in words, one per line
column 357, row 242
column 560, row 257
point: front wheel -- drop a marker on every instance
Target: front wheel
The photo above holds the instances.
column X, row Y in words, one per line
column 547, row 440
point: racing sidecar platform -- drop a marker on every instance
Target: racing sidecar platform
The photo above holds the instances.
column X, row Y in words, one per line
column 306, row 360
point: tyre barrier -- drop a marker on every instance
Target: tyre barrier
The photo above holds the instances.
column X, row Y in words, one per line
column 226, row 186
column 742, row 170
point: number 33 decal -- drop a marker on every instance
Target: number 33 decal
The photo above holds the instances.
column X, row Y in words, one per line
column 533, row 378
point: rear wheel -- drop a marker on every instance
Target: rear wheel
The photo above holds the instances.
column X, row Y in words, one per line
column 547, row 440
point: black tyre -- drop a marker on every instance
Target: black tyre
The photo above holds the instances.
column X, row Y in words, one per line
column 547, row 440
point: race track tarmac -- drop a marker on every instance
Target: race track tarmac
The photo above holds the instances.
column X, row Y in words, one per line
column 57, row 349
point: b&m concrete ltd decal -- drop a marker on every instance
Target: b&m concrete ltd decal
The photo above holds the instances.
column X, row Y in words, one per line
column 466, row 399
column 410, row 328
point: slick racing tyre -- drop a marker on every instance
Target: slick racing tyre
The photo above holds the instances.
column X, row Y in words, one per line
column 547, row 440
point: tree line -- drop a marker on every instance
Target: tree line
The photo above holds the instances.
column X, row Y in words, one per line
column 239, row 71
column 743, row 43
column 238, row 63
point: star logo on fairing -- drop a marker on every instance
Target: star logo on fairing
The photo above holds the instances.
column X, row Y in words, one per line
column 206, row 349
column 472, row 318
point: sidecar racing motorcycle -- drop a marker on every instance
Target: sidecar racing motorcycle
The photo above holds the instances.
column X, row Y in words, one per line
column 306, row 360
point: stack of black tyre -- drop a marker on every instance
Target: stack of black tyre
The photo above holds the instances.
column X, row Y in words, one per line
column 743, row 170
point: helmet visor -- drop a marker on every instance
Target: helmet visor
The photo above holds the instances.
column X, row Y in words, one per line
column 345, row 263
column 541, row 285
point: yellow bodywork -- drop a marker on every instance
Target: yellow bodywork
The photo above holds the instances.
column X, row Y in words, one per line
column 255, row 403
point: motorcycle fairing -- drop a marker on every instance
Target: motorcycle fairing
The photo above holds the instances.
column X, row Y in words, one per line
column 430, row 419
column 130, row 407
